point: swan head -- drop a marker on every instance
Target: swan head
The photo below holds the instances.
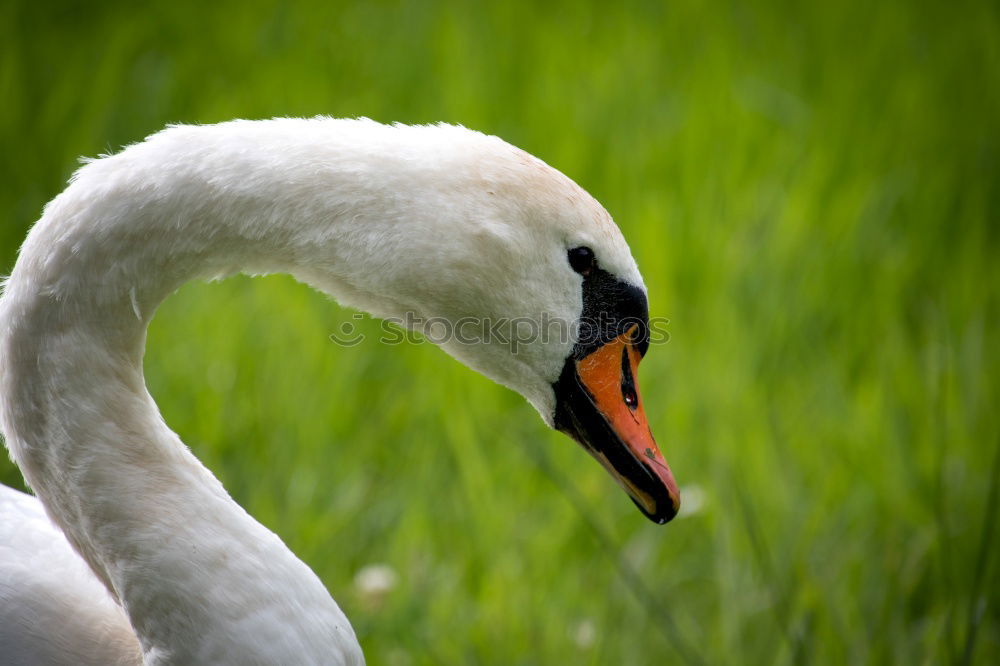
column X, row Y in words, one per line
column 516, row 271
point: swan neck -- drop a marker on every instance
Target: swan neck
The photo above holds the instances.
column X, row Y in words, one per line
column 201, row 580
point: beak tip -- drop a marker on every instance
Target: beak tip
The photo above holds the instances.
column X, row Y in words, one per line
column 673, row 509
column 662, row 518
column 664, row 512
column 669, row 503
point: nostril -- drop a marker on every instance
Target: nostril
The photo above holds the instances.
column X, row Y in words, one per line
column 631, row 399
column 629, row 393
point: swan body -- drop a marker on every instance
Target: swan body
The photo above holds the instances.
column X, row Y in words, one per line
column 44, row 584
column 431, row 221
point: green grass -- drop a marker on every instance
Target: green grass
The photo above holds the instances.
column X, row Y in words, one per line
column 812, row 192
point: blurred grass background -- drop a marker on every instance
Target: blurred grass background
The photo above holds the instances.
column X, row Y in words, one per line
column 811, row 191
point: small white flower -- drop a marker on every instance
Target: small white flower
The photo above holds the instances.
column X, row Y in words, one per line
column 584, row 633
column 374, row 581
column 692, row 500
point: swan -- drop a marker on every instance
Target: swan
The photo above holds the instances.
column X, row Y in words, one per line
column 140, row 555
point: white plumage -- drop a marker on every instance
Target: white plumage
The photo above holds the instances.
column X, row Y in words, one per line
column 438, row 221
column 52, row 608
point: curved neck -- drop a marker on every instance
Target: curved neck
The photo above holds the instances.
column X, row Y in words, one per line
column 201, row 581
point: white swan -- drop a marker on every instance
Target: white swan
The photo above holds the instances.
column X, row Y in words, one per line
column 437, row 221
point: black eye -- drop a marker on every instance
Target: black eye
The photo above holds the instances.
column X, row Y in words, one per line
column 581, row 259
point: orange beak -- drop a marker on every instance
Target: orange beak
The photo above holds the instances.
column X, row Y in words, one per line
column 599, row 405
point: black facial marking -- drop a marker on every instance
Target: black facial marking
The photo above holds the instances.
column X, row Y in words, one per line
column 610, row 308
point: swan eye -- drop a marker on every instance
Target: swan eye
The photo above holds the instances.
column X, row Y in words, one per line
column 581, row 259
